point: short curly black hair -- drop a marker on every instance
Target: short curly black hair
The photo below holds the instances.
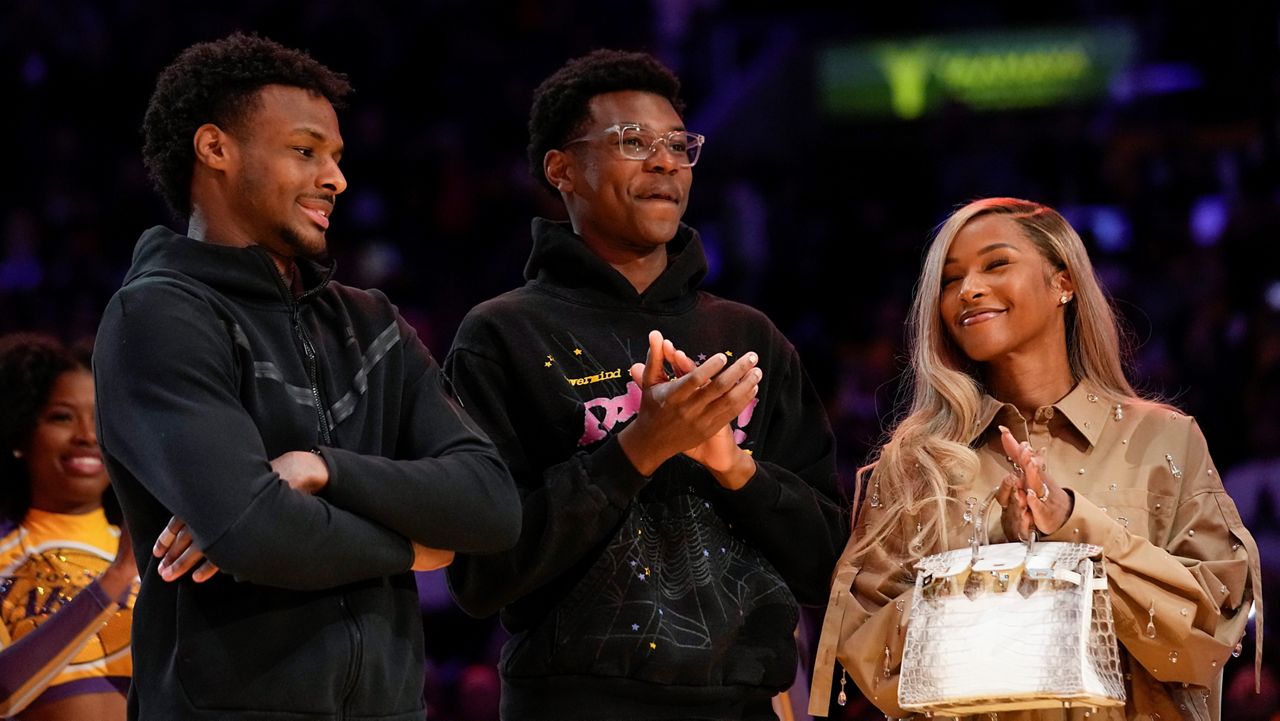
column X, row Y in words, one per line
column 217, row 82
column 29, row 366
column 562, row 103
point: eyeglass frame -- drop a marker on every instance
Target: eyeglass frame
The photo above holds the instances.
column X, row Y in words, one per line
column 663, row 138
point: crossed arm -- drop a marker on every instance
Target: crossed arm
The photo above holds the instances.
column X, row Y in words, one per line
column 171, row 421
column 304, row 472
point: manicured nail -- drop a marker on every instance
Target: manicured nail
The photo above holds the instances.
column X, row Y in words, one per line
column 1003, row 429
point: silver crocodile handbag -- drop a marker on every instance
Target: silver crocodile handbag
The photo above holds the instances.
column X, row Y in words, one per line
column 1010, row 626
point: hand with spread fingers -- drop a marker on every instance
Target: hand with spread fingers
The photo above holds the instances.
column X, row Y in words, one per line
column 1031, row 500
column 178, row 554
column 682, row 415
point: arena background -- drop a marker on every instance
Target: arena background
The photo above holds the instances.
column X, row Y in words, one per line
column 838, row 137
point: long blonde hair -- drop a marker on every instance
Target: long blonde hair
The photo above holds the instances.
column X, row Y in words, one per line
column 928, row 456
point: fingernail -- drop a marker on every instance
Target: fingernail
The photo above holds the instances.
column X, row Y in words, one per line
column 1003, row 429
column 752, row 358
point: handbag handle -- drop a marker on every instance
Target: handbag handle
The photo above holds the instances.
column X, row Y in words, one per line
column 974, row 543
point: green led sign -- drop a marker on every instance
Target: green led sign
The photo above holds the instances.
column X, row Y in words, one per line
column 987, row 71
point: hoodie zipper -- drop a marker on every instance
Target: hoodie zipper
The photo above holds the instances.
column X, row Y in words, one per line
column 313, row 376
column 308, row 350
column 326, row 438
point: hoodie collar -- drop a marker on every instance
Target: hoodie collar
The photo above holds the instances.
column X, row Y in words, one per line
column 245, row 273
column 563, row 264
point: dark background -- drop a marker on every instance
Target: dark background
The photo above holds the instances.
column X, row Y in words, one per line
column 819, row 220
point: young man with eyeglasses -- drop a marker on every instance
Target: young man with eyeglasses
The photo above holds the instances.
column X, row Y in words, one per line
column 675, row 506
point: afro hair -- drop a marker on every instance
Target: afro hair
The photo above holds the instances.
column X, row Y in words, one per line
column 217, row 82
column 562, row 103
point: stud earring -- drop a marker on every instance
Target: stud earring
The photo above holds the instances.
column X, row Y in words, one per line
column 1063, row 300
column 17, row 453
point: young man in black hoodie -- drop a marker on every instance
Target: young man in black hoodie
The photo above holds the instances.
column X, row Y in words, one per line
column 670, row 526
column 297, row 427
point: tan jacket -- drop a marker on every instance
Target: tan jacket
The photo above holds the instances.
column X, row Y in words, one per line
column 1145, row 491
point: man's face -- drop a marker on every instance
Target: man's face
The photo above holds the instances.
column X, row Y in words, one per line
column 286, row 179
column 627, row 205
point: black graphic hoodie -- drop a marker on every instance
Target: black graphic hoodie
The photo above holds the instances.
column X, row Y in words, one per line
column 629, row 597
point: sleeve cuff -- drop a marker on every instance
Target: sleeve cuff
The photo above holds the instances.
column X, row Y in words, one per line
column 1089, row 524
column 613, row 473
column 333, row 488
column 761, row 491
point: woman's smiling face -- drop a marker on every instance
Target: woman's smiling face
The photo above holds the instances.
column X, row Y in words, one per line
column 64, row 464
column 1000, row 295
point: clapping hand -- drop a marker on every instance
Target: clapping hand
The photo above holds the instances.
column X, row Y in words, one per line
column 690, row 413
column 1031, row 499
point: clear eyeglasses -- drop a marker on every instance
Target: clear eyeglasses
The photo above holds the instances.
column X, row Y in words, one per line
column 640, row 143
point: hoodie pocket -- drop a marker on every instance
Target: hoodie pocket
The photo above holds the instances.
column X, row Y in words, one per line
column 257, row 648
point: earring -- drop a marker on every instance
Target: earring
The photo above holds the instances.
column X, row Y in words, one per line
column 17, row 453
column 1063, row 300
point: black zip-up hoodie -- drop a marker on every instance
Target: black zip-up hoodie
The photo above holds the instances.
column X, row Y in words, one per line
column 630, row 597
column 207, row 368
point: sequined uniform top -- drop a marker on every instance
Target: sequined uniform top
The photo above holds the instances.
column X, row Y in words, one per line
column 46, row 562
column 1182, row 568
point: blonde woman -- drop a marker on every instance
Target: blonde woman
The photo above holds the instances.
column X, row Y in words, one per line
column 1015, row 359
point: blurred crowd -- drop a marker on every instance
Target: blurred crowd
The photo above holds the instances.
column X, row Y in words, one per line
column 818, row 220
